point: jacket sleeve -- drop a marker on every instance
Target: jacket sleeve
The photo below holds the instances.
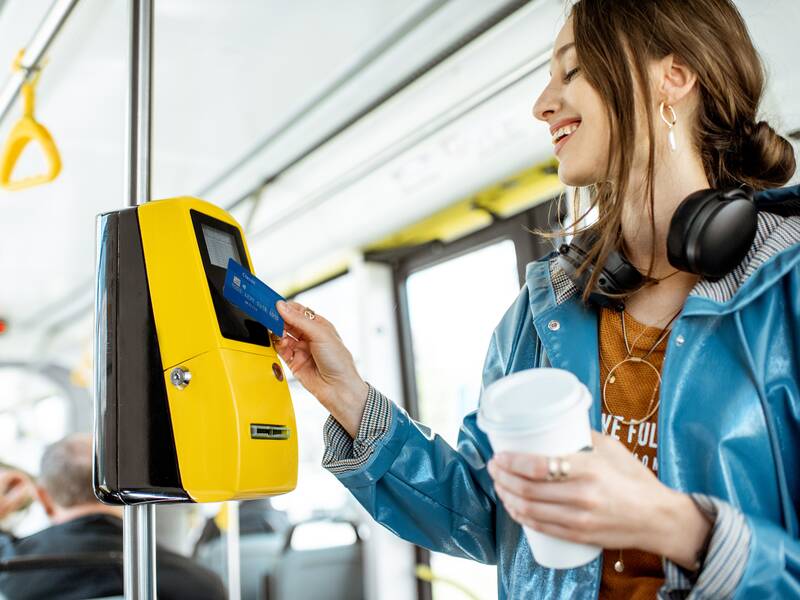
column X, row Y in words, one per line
column 747, row 557
column 773, row 563
column 725, row 560
column 415, row 484
column 772, row 568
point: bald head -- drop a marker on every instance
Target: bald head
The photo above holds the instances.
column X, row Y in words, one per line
column 66, row 471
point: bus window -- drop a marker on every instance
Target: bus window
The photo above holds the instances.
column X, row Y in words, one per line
column 453, row 308
column 317, row 489
column 33, row 413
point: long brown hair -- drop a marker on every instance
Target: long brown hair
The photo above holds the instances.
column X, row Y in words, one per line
column 615, row 40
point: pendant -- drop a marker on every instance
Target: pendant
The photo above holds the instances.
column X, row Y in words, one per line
column 672, row 145
column 611, row 377
column 619, row 566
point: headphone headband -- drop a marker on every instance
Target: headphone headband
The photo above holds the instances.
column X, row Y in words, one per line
column 710, row 233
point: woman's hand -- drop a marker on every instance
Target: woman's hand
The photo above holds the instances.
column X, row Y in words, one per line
column 319, row 359
column 609, row 499
column 16, row 491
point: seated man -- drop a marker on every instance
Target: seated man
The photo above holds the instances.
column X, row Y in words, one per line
column 82, row 524
column 255, row 516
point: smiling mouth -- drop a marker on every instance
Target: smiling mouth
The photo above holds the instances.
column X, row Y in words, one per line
column 563, row 133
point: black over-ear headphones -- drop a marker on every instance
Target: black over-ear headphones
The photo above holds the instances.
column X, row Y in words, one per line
column 710, row 233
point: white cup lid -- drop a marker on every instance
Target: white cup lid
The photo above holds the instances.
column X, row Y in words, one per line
column 531, row 399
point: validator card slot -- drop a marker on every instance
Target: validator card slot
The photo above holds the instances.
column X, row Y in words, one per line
column 269, row 432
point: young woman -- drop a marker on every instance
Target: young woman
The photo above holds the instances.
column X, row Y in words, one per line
column 694, row 487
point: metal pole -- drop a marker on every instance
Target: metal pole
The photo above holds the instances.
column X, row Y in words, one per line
column 234, row 573
column 139, row 539
column 139, row 551
column 139, row 102
column 35, row 50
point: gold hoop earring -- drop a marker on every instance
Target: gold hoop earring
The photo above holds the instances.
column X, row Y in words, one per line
column 671, row 136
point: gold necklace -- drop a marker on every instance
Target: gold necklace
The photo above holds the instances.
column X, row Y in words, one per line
column 630, row 358
column 619, row 565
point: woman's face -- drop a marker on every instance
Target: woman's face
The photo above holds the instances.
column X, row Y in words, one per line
column 575, row 116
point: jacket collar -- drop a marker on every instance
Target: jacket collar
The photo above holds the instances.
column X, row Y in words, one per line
column 564, row 326
column 766, row 262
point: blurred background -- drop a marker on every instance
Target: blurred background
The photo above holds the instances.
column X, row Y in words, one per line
column 384, row 163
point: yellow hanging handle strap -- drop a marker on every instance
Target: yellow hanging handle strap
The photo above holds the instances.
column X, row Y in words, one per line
column 425, row 573
column 25, row 131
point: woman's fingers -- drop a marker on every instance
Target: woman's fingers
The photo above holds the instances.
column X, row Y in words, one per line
column 537, row 467
column 300, row 357
column 318, row 358
column 296, row 326
column 302, row 309
column 295, row 353
column 317, row 317
column 526, row 511
column 542, row 491
column 299, row 324
column 281, row 346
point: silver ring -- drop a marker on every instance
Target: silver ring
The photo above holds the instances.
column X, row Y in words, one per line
column 553, row 468
column 310, row 314
column 564, row 468
column 558, row 468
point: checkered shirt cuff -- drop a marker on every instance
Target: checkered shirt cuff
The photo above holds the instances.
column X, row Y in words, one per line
column 343, row 453
column 725, row 561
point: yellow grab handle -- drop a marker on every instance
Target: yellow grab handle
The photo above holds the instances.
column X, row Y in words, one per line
column 425, row 573
column 25, row 131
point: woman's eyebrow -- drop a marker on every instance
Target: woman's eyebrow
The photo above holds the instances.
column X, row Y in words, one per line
column 560, row 52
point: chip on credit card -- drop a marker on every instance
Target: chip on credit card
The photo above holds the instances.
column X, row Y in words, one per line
column 252, row 296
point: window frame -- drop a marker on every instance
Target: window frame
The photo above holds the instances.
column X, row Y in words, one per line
column 406, row 261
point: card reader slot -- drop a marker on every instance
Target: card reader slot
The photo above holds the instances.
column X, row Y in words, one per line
column 269, row 432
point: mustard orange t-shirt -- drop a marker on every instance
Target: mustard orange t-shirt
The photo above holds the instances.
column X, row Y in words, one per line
column 631, row 392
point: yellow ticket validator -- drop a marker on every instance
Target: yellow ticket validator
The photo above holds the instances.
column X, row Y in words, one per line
column 191, row 401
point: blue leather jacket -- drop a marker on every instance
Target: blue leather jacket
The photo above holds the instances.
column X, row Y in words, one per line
column 729, row 423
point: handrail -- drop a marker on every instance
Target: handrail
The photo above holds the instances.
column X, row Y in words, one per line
column 35, row 50
column 446, row 53
column 287, row 546
column 60, row 561
column 25, row 131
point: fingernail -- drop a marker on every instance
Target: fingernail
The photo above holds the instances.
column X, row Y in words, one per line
column 501, row 459
column 281, row 305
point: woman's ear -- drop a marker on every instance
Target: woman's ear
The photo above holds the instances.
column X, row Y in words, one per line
column 674, row 79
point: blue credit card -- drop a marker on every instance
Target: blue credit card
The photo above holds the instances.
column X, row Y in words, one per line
column 252, row 296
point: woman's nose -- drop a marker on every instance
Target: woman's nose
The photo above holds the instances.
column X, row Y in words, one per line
column 546, row 104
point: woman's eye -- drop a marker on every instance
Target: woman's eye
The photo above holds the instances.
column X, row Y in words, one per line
column 569, row 76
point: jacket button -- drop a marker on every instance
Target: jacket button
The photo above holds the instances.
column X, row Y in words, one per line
column 679, row 340
column 554, row 325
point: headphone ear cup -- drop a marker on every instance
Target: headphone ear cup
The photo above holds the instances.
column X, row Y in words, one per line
column 711, row 232
column 680, row 226
column 617, row 276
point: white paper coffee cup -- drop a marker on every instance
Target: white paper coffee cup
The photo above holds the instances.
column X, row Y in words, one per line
column 545, row 412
